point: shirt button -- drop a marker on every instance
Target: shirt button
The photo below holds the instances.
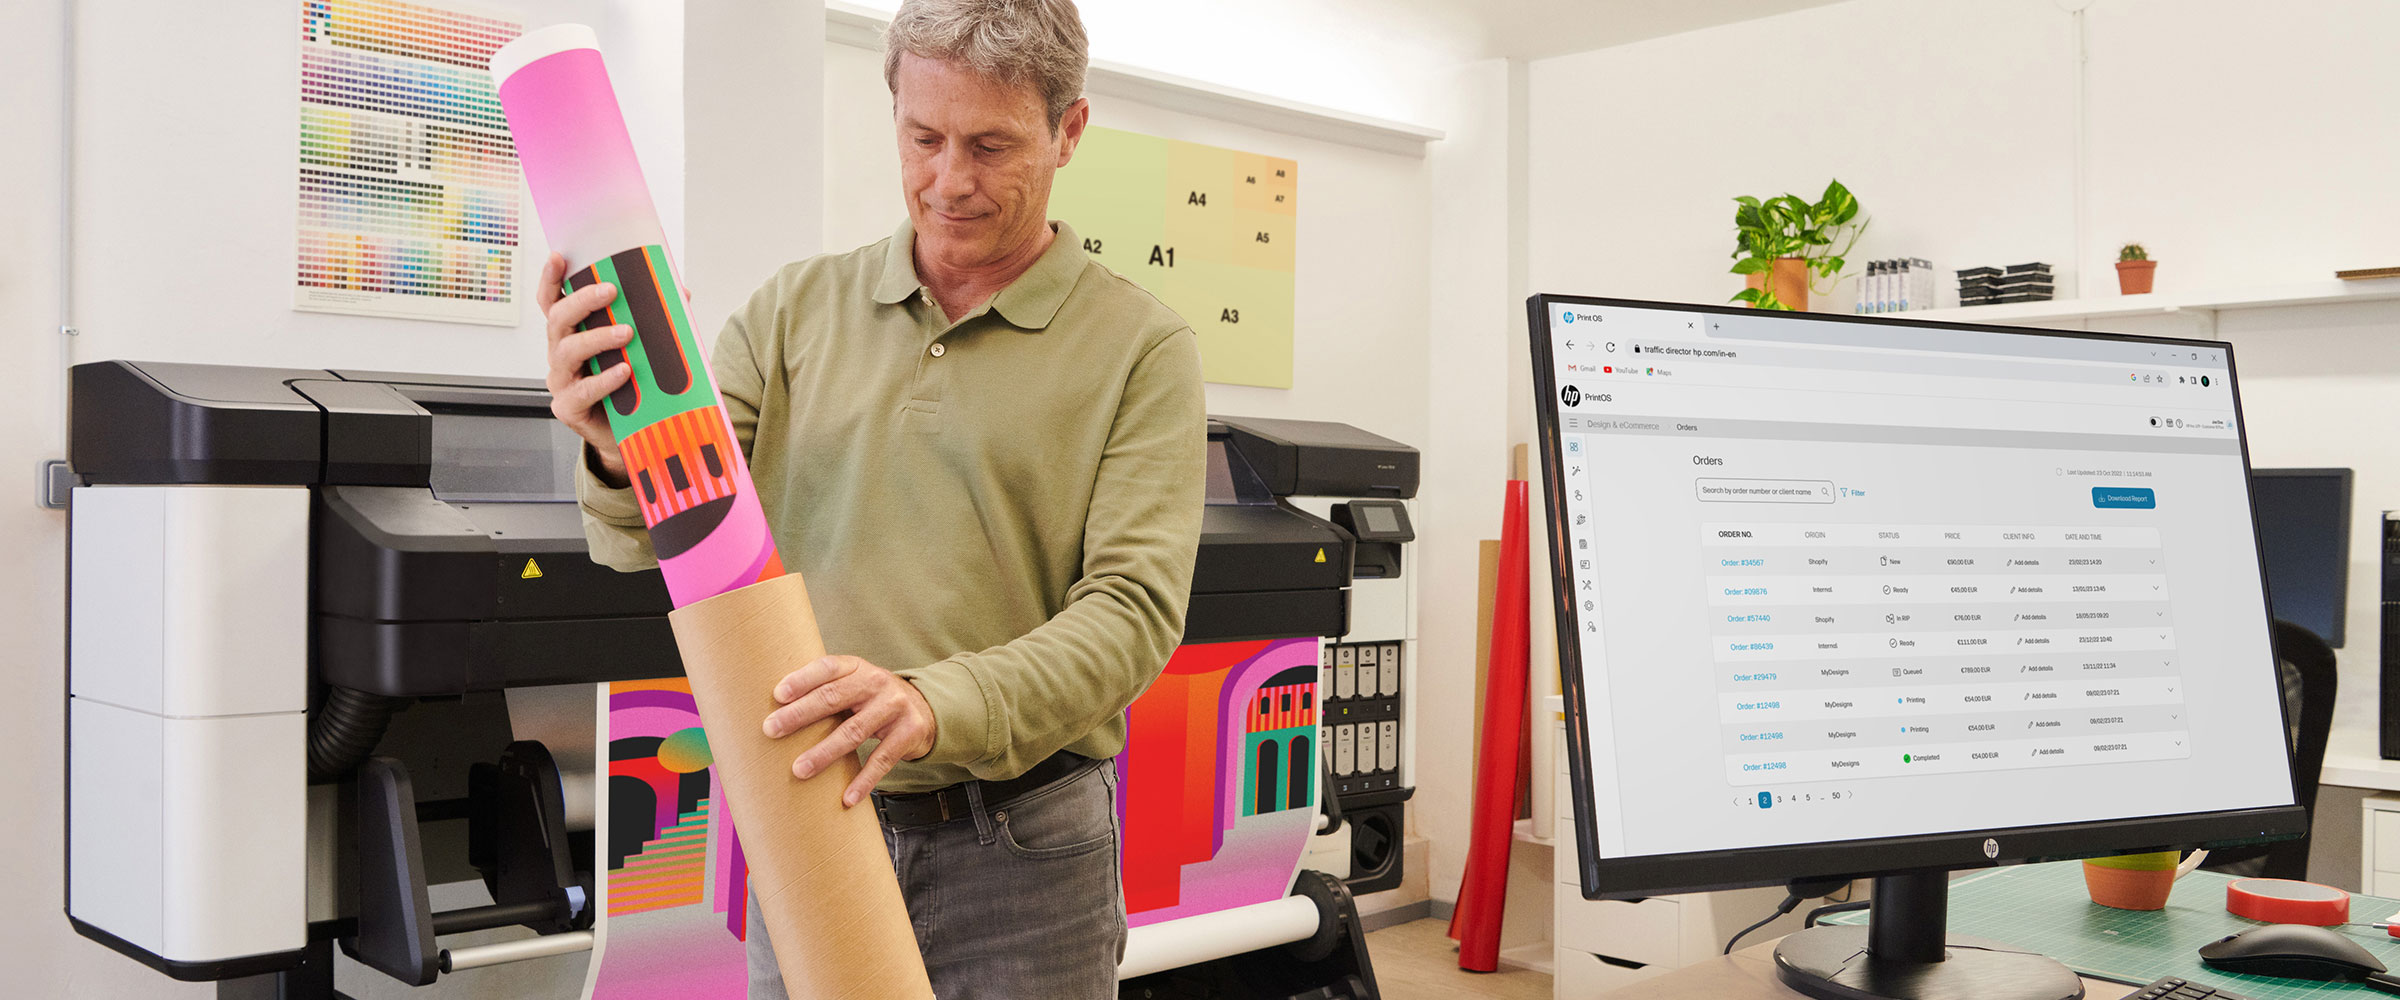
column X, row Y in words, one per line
column 936, row 350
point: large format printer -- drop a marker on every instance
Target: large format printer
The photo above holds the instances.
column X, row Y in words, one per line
column 318, row 623
column 332, row 637
column 1358, row 484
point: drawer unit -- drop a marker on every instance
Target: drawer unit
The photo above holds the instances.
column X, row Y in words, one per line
column 1648, row 931
column 1582, row 974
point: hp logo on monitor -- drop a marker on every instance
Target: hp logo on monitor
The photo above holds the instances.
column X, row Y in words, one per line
column 1566, row 317
column 1570, row 395
column 1991, row 848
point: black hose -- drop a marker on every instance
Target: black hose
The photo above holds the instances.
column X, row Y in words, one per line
column 1331, row 803
column 343, row 730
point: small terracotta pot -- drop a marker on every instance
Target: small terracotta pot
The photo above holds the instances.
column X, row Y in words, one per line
column 2133, row 276
column 1791, row 281
column 2131, row 882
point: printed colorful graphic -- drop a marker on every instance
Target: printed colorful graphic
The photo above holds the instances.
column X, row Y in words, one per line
column 408, row 179
column 1208, row 230
column 675, row 890
column 689, row 472
column 1218, row 788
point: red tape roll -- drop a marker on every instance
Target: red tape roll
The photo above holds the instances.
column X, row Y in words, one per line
column 2285, row 901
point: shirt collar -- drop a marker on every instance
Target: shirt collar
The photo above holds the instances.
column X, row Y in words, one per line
column 899, row 279
column 1030, row 302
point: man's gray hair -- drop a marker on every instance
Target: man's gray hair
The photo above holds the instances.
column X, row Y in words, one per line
column 1036, row 43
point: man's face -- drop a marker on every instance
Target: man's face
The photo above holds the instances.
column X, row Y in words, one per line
column 976, row 159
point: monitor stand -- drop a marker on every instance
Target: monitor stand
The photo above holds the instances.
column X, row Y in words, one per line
column 1903, row 953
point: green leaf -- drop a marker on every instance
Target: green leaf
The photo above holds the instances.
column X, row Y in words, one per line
column 1749, row 295
column 1836, row 206
column 1751, row 265
column 1747, row 200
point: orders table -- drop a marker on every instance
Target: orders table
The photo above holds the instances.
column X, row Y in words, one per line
column 1864, row 650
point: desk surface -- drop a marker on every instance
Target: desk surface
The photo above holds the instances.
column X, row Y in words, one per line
column 1750, row 972
column 2044, row 909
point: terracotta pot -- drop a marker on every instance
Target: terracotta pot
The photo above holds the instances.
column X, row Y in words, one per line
column 1791, row 281
column 2133, row 276
column 2131, row 882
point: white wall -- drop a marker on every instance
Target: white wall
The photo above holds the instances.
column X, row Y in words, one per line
column 754, row 115
column 44, row 958
column 2238, row 141
column 185, row 186
column 1368, row 57
column 184, row 204
column 1965, row 157
column 1467, row 359
column 2245, row 144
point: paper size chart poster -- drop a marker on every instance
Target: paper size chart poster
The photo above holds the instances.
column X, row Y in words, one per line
column 407, row 177
column 1208, row 230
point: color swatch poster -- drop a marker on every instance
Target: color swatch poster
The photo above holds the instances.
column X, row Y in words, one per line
column 674, row 890
column 407, row 178
column 1219, row 779
column 1208, row 230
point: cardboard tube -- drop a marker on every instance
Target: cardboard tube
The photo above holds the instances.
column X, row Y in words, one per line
column 821, row 873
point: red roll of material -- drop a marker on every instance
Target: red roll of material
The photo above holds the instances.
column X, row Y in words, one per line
column 1483, row 893
column 2286, row 901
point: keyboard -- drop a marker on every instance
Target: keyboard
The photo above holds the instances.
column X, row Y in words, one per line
column 2172, row 988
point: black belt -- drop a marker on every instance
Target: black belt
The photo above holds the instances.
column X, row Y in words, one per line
column 945, row 804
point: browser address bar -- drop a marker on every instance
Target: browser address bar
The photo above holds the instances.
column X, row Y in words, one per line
column 1706, row 357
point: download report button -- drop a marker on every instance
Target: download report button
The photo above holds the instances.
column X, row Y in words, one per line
column 2127, row 498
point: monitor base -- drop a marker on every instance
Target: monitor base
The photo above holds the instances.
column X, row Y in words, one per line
column 1833, row 963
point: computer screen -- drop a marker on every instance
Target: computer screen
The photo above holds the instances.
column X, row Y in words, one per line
column 2304, row 535
column 1847, row 595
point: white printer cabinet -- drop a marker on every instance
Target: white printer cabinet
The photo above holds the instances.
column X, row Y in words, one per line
column 1605, row 944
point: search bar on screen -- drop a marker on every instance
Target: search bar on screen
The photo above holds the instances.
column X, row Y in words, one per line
column 1712, row 490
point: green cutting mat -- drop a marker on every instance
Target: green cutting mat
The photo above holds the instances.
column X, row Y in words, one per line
column 2045, row 908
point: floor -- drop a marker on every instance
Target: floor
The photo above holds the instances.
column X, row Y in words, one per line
column 1417, row 961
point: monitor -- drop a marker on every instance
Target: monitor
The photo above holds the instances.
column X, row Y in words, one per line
column 1864, row 597
column 2304, row 534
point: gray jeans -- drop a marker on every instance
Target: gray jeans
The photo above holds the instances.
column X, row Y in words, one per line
column 1021, row 900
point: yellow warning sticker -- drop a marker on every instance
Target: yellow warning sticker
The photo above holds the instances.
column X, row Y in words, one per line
column 533, row 570
column 1320, row 555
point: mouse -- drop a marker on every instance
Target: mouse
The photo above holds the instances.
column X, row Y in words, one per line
column 2294, row 951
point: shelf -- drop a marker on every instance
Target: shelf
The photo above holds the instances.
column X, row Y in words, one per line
column 1525, row 835
column 2203, row 306
column 2354, row 759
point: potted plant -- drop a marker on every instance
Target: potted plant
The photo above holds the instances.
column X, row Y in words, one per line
column 1783, row 246
column 2134, row 270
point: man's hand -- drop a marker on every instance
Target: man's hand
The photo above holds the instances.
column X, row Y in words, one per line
column 882, row 706
column 574, row 396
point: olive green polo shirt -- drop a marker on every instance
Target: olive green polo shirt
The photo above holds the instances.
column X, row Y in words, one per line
column 1003, row 510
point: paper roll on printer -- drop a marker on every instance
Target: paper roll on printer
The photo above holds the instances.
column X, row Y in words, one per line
column 278, row 575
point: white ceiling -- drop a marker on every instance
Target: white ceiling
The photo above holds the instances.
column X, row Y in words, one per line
column 1535, row 29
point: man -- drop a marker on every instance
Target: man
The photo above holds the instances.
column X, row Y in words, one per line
column 984, row 451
